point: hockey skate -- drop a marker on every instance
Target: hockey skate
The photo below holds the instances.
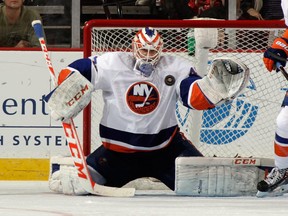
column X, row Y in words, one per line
column 275, row 184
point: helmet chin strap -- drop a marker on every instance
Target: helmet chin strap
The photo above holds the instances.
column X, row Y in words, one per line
column 145, row 68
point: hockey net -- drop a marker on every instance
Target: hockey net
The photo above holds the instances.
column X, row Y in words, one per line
column 243, row 128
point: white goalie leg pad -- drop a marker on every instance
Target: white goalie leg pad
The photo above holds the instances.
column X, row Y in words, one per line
column 64, row 177
column 70, row 97
column 226, row 79
column 223, row 177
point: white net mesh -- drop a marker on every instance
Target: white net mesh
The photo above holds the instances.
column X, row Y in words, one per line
column 245, row 127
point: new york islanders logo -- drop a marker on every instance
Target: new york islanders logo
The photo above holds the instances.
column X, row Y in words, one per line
column 142, row 97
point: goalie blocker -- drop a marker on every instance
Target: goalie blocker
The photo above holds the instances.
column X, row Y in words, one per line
column 69, row 98
column 220, row 177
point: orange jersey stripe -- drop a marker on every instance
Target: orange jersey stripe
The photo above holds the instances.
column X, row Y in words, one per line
column 63, row 75
column 198, row 100
column 117, row 148
column 285, row 35
column 281, row 151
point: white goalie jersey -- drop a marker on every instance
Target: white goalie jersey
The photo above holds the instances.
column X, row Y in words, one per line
column 139, row 111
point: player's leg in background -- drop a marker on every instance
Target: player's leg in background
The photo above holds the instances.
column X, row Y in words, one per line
column 279, row 175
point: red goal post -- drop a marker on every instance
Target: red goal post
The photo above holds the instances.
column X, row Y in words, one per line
column 244, row 127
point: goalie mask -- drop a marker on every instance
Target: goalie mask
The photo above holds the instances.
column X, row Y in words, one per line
column 147, row 47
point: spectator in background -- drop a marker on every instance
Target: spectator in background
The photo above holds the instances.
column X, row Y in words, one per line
column 260, row 10
column 218, row 11
column 208, row 8
column 271, row 10
column 15, row 25
column 249, row 9
column 189, row 9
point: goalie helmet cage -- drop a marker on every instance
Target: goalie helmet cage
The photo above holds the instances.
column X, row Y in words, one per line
column 244, row 127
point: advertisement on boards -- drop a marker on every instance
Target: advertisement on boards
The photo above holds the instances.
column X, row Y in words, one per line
column 26, row 127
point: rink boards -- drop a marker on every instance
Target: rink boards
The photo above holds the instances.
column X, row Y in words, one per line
column 28, row 137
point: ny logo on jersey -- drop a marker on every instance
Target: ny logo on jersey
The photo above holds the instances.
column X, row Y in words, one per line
column 142, row 97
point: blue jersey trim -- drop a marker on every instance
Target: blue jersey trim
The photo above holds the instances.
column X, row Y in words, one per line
column 185, row 86
column 83, row 66
column 281, row 139
column 140, row 140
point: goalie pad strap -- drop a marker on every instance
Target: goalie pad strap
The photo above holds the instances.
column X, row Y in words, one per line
column 219, row 176
column 70, row 98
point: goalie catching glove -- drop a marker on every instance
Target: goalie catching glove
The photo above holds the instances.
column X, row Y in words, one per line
column 70, row 97
column 225, row 80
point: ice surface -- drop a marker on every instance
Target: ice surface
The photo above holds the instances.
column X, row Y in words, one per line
column 34, row 198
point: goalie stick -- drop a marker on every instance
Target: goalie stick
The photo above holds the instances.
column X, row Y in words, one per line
column 283, row 71
column 278, row 64
column 72, row 138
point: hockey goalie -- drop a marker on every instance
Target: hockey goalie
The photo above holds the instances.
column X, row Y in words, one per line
column 139, row 131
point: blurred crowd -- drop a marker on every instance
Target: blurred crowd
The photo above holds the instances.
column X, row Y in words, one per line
column 16, row 15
